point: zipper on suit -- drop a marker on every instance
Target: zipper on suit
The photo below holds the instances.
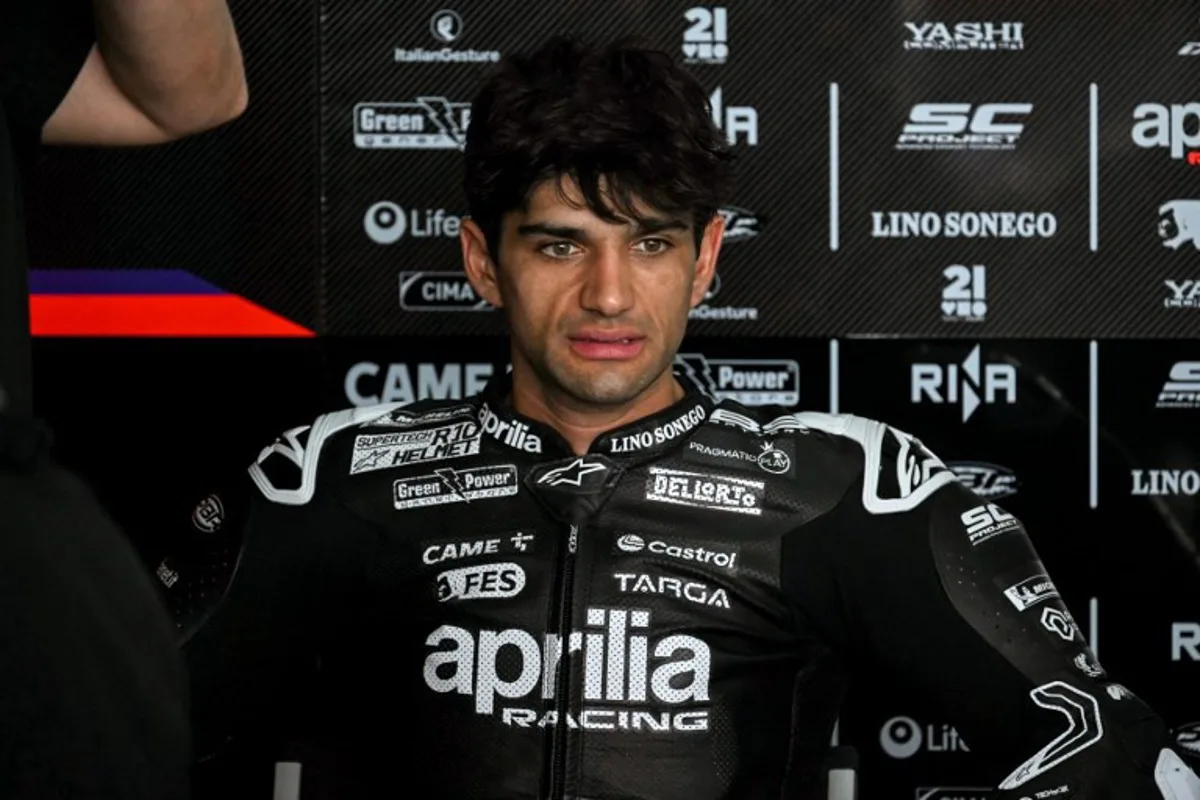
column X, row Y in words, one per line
column 562, row 684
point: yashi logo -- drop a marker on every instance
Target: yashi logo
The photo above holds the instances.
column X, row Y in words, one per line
column 902, row 737
column 1179, row 223
column 977, row 36
column 428, row 123
column 955, row 383
column 1175, row 127
column 1184, row 294
column 644, row 684
column 963, row 126
column 481, row 582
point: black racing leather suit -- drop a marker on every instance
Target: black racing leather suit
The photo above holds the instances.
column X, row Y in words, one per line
column 462, row 608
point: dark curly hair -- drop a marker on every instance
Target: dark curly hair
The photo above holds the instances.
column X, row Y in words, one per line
column 624, row 114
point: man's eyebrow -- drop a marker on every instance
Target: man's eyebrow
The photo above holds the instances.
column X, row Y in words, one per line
column 551, row 229
column 646, row 226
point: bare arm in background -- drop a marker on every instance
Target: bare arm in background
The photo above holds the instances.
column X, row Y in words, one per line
column 160, row 70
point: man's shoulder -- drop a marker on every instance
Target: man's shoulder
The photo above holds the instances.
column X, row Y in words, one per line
column 292, row 468
column 895, row 469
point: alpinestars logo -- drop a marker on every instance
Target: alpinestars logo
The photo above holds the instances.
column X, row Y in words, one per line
column 976, row 36
column 428, row 123
column 623, row 690
column 572, row 474
column 963, row 126
column 1175, row 127
column 751, row 382
column 963, row 383
column 1184, row 294
column 1182, row 389
column 1179, row 223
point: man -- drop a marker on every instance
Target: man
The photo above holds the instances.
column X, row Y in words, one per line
column 594, row 582
column 93, row 694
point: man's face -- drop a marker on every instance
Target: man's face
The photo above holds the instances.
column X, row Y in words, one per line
column 596, row 310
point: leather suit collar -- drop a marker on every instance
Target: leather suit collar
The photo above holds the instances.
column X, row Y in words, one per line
column 640, row 440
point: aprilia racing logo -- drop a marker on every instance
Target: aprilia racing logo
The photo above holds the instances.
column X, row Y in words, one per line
column 637, row 684
column 513, row 433
column 1175, row 128
column 428, row 123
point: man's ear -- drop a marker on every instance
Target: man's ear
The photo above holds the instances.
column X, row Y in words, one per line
column 706, row 259
column 478, row 263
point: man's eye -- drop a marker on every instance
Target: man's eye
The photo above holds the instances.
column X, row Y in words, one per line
column 653, row 246
column 558, row 249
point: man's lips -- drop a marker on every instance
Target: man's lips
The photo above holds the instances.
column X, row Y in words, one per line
column 607, row 345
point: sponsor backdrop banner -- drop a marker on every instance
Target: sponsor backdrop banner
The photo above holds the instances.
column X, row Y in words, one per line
column 979, row 222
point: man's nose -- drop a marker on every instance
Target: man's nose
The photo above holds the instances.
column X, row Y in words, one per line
column 608, row 284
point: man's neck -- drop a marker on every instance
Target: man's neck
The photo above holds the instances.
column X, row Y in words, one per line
column 580, row 423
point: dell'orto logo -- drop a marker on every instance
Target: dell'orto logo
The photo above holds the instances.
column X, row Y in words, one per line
column 740, row 123
column 964, row 126
column 706, row 39
column 976, row 36
column 1179, row 223
column 963, row 383
column 751, row 382
column 964, row 298
column 439, row 291
column 902, row 737
column 428, row 123
column 1175, row 127
column 1182, row 388
column 387, row 223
